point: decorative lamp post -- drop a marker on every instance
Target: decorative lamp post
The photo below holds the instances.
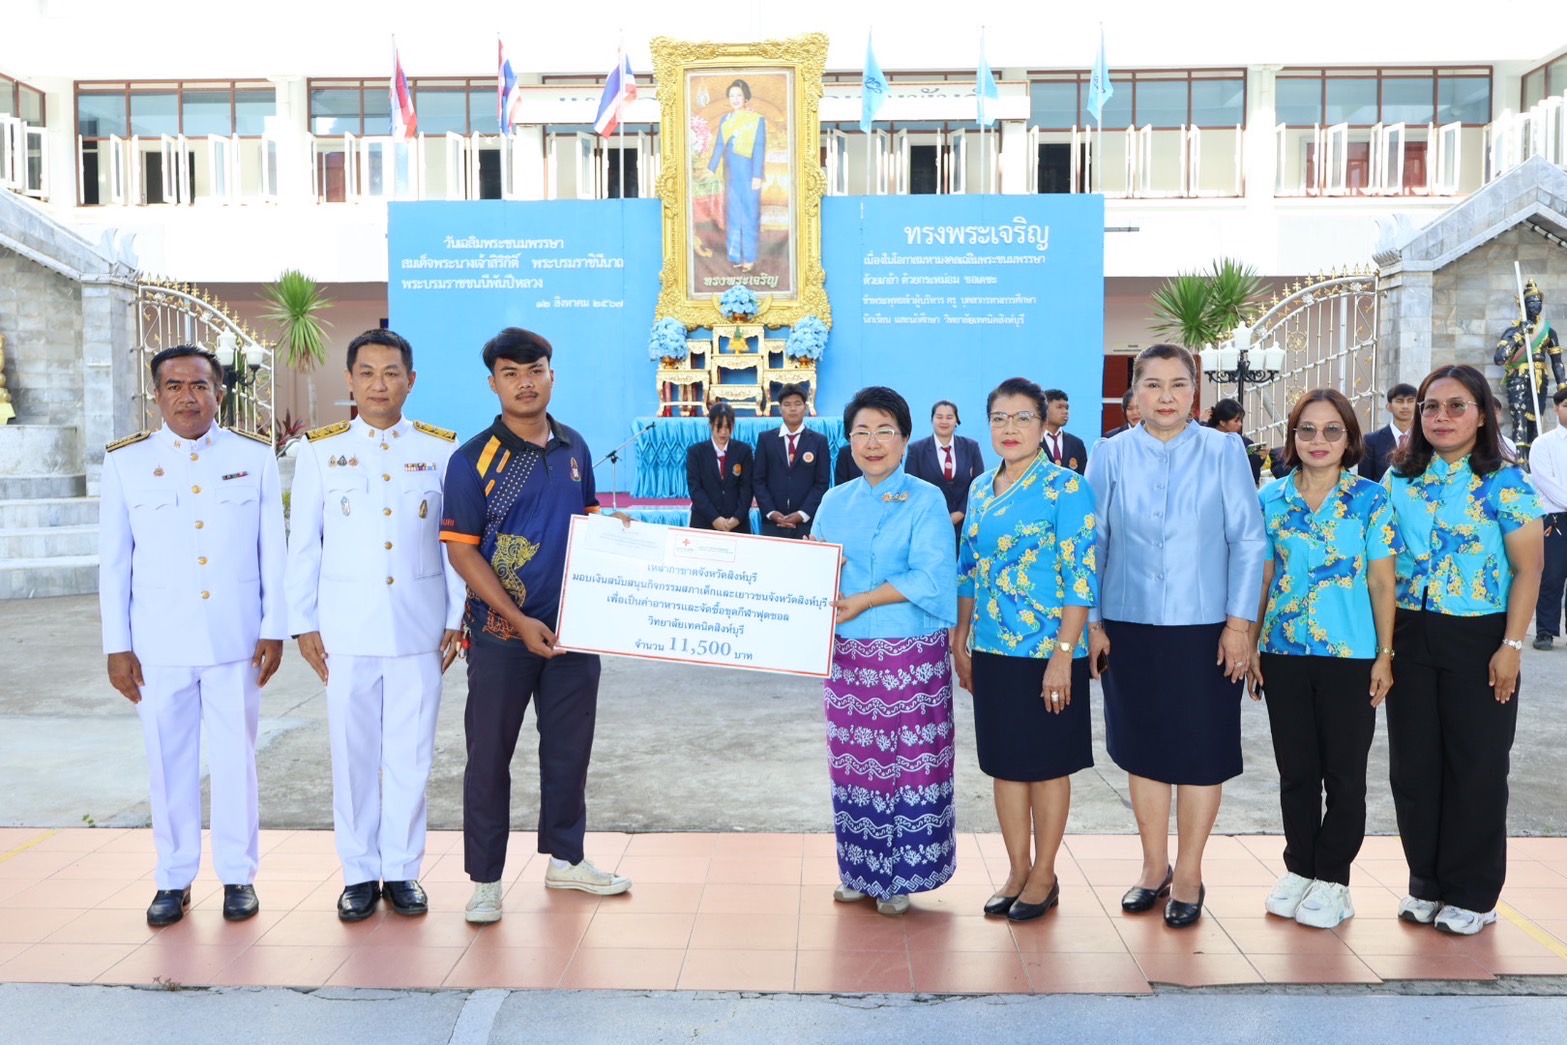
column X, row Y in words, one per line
column 1231, row 363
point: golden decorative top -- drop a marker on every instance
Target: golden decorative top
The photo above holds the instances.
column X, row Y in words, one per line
column 127, row 441
column 327, row 431
column 439, row 433
column 248, row 434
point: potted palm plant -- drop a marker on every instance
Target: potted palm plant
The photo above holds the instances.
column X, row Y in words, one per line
column 1202, row 308
column 295, row 303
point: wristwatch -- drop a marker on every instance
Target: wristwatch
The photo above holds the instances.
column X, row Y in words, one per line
column 1065, row 647
column 1516, row 644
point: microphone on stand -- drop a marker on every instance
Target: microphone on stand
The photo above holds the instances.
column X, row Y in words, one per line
column 613, row 457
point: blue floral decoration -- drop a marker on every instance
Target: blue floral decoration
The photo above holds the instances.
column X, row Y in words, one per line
column 738, row 301
column 668, row 340
column 808, row 339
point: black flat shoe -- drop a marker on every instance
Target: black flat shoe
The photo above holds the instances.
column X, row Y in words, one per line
column 999, row 905
column 239, row 903
column 1178, row 915
column 406, row 897
column 1022, row 912
column 1137, row 899
column 168, row 906
column 358, row 901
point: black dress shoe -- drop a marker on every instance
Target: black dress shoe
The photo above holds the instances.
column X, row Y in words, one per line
column 406, row 898
column 358, row 901
column 168, row 906
column 1178, row 915
column 1137, row 899
column 1022, row 912
column 999, row 905
column 239, row 903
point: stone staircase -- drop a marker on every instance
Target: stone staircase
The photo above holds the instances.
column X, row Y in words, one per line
column 48, row 524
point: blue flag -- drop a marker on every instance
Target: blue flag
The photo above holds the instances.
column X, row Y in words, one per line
column 985, row 88
column 874, row 92
column 1100, row 89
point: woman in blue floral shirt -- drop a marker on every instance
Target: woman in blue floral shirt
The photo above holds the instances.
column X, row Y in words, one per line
column 1325, row 655
column 1468, row 575
column 1026, row 580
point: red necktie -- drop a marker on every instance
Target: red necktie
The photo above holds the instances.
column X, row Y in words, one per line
column 723, row 460
column 947, row 469
column 792, row 438
column 1055, row 448
column 1402, row 439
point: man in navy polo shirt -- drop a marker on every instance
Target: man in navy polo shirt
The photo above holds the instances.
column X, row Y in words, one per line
column 510, row 494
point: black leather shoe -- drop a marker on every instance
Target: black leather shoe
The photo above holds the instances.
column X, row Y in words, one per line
column 1137, row 899
column 1022, row 912
column 239, row 903
column 999, row 905
column 1178, row 915
column 358, row 901
column 406, row 898
column 168, row 906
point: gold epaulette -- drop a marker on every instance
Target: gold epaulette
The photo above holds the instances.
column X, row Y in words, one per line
column 439, row 433
column 327, row 431
column 258, row 437
column 127, row 441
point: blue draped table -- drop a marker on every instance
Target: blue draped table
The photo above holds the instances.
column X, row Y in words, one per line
column 679, row 516
column 661, row 449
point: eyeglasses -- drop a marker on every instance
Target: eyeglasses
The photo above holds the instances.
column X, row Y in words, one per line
column 1454, row 407
column 1022, row 417
column 882, row 435
column 1309, row 433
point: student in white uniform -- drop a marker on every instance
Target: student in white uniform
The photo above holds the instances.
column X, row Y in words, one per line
column 190, row 586
column 377, row 611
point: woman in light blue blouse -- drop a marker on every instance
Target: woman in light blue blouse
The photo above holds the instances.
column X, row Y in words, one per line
column 1026, row 580
column 1181, row 549
column 1325, row 655
column 1468, row 576
column 889, row 697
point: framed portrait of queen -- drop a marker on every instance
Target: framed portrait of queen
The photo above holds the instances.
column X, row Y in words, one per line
column 740, row 176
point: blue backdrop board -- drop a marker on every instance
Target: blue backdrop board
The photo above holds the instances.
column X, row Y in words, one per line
column 943, row 297
column 583, row 273
column 661, row 447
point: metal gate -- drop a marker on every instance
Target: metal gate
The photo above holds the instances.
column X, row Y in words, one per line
column 169, row 314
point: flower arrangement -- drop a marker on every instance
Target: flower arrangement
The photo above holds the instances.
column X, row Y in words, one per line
column 738, row 302
column 667, row 340
column 701, row 136
column 807, row 340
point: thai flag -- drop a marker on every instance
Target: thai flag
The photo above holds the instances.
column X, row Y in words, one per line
column 508, row 92
column 620, row 90
column 404, row 123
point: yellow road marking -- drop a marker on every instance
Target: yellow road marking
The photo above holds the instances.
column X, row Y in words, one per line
column 25, row 846
column 1538, row 934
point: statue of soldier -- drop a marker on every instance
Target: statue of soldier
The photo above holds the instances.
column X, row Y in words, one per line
column 1529, row 342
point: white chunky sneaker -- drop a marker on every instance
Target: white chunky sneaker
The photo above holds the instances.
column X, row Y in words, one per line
column 1459, row 922
column 1421, row 912
column 1287, row 895
column 894, row 905
column 485, row 907
column 1325, row 905
column 586, row 878
column 843, row 894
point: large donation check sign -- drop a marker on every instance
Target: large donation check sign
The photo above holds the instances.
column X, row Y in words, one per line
column 699, row 596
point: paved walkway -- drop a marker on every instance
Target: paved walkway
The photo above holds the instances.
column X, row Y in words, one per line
column 742, row 912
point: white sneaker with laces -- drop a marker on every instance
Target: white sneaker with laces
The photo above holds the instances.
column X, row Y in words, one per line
column 1325, row 905
column 1287, row 895
column 586, row 878
column 1459, row 922
column 485, row 907
column 1421, row 912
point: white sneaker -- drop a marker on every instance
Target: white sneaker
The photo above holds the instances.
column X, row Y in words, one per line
column 1325, row 905
column 894, row 905
column 1421, row 912
column 843, row 894
column 485, row 907
column 1287, row 894
column 1459, row 922
column 585, row 877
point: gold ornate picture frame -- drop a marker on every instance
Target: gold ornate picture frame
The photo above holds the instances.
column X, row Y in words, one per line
column 740, row 177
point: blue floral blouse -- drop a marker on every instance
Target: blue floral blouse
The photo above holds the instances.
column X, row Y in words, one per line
column 1320, row 604
column 1453, row 522
column 1025, row 555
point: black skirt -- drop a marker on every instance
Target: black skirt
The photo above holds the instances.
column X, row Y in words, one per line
column 1170, row 714
column 1018, row 739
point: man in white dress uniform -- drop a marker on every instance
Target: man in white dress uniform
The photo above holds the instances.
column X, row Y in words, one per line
column 190, row 586
column 377, row 611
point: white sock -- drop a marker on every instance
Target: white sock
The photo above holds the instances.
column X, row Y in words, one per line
column 559, row 864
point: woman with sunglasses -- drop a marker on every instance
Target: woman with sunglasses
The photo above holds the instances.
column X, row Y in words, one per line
column 1325, row 653
column 1468, row 575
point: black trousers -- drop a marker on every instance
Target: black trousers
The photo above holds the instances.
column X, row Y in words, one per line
column 1320, row 714
column 1449, row 744
column 502, row 679
column 1553, row 582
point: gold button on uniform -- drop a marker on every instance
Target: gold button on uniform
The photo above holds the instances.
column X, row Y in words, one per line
column 201, row 561
column 195, row 457
column 199, row 524
column 206, row 595
column 195, row 489
column 386, row 511
column 388, row 545
column 388, row 478
column 389, row 580
column 385, row 447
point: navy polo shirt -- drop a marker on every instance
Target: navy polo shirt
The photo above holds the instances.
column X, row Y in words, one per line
column 514, row 500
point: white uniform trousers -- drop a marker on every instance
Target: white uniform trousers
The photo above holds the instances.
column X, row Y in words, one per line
column 381, row 715
column 176, row 702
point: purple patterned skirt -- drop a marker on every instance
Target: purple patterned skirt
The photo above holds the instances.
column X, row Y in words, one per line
column 890, row 752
